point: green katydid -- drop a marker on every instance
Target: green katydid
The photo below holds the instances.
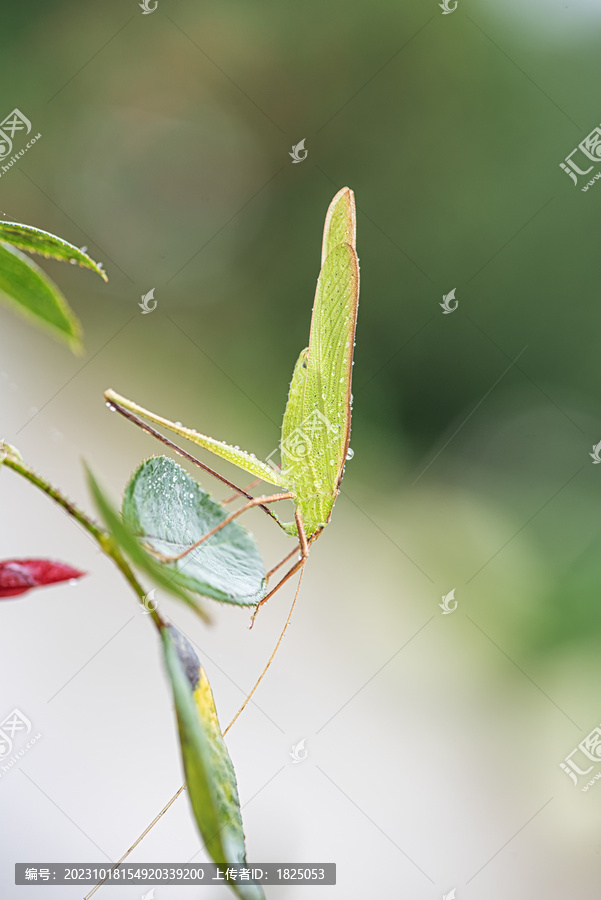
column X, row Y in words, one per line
column 316, row 427
column 317, row 419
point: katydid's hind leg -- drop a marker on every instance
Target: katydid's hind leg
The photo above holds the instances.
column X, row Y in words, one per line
column 282, row 562
column 248, row 487
column 299, row 564
column 302, row 534
column 256, row 501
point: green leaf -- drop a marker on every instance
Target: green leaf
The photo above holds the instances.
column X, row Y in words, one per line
column 209, row 770
column 129, row 545
column 31, row 292
column 34, row 240
column 170, row 511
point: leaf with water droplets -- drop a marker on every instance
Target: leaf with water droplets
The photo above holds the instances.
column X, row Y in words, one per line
column 167, row 509
column 29, row 291
column 34, row 240
column 208, row 766
column 130, row 547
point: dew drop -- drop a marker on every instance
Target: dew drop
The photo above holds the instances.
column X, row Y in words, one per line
column 350, row 453
column 111, row 407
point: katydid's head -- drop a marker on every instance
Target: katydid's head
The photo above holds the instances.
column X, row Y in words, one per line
column 317, row 419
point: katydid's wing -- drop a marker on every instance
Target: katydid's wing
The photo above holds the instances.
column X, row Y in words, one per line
column 292, row 425
column 316, row 426
column 327, row 394
column 240, row 458
column 341, row 223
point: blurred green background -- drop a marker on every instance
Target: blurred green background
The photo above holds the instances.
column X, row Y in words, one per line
column 164, row 149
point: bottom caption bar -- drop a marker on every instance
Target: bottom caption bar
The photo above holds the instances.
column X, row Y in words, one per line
column 151, row 873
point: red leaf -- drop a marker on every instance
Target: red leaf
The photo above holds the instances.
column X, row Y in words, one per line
column 17, row 576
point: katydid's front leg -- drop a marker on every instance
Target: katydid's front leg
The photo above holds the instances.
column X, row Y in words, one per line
column 256, row 501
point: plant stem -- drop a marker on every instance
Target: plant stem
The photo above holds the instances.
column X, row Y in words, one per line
column 18, row 466
column 100, row 535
